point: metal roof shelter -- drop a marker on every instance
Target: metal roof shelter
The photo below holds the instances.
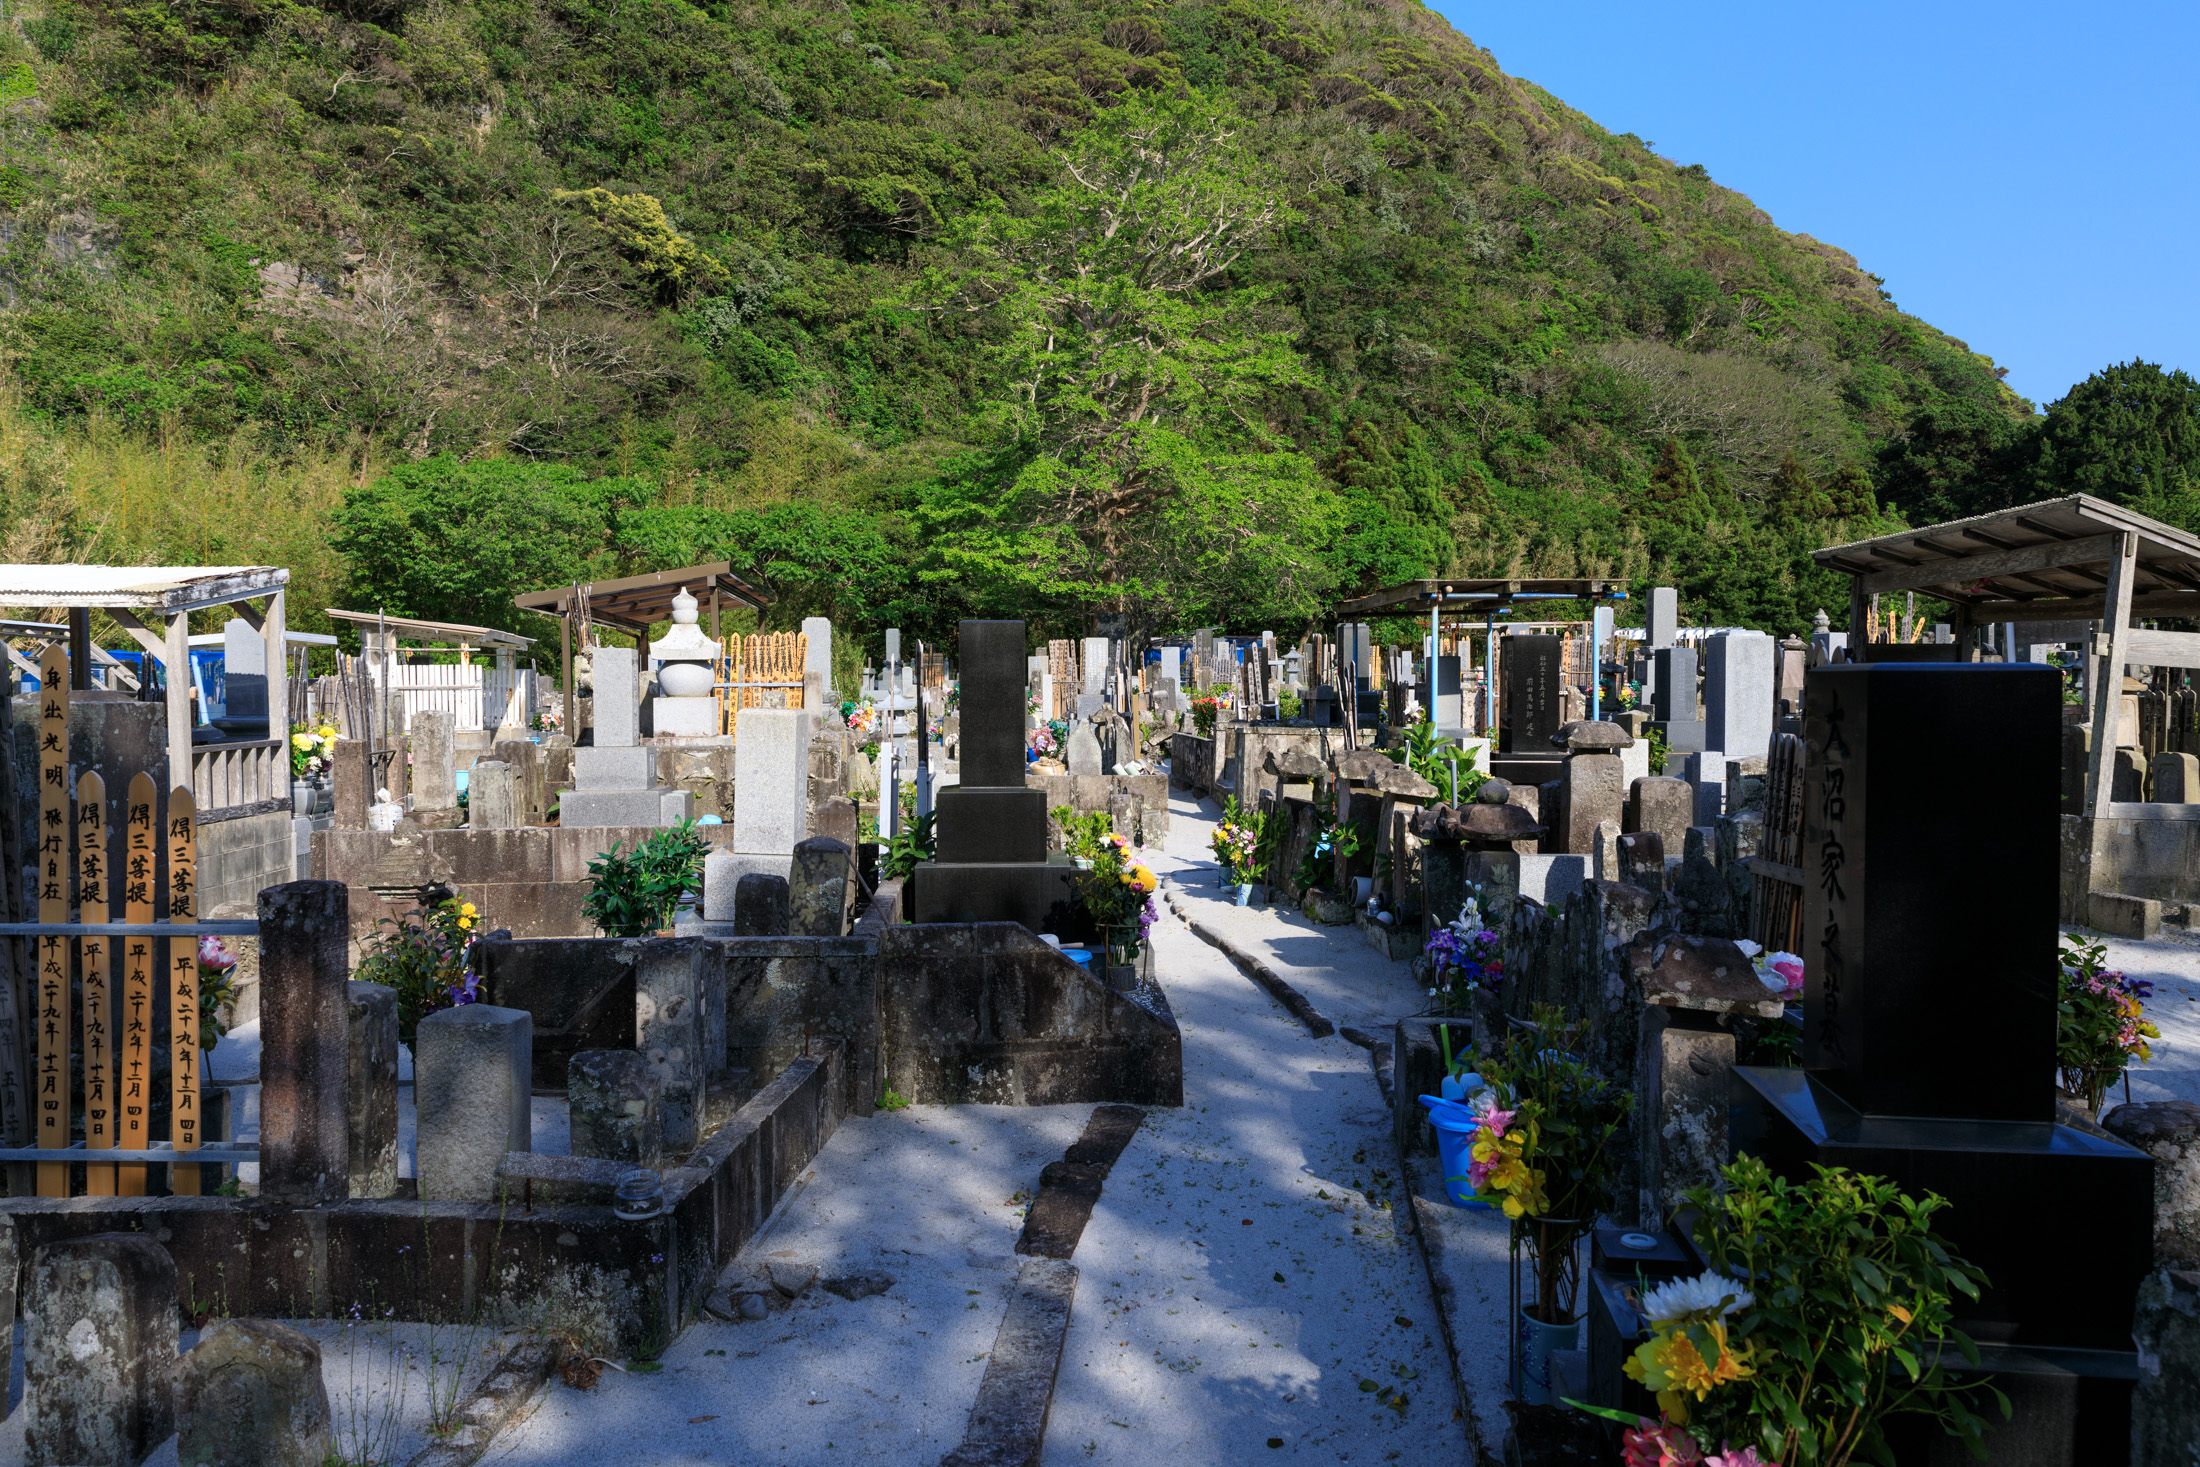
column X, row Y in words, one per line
column 632, row 603
column 1491, row 597
column 2072, row 559
column 141, row 598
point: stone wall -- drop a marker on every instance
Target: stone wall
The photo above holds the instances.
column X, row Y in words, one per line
column 531, row 881
column 986, row 1013
column 1191, row 763
column 239, row 857
column 2149, row 851
column 1146, row 796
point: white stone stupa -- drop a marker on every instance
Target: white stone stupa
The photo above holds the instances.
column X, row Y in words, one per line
column 686, row 708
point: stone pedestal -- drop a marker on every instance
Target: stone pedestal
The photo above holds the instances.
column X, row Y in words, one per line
column 250, row 1394
column 99, row 1351
column 470, row 1084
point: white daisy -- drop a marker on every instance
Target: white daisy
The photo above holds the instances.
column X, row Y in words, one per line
column 1703, row 1295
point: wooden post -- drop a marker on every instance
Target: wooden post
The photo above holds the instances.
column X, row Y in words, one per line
column 278, row 690
column 54, row 951
column 92, row 906
column 2108, row 683
column 1863, row 614
column 1966, row 643
column 134, row 1070
column 178, row 660
column 183, row 990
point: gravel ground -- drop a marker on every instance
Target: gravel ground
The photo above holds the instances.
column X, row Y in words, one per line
column 932, row 1196
column 1249, row 1292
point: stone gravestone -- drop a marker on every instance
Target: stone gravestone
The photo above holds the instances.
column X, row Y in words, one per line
column 1664, row 620
column 1449, row 709
column 820, row 891
column 244, row 681
column 1673, row 701
column 493, row 796
column 99, row 1351
column 1664, row 806
column 250, row 1394
column 1530, row 668
column 434, row 760
column 669, row 1031
column 1083, row 751
column 760, row 905
column 615, row 780
column 305, row 1133
column 1933, row 850
column 1594, row 791
column 771, row 804
column 1738, row 694
column 2175, row 779
column 618, row 698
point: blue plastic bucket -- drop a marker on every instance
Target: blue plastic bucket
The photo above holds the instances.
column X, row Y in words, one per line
column 1082, row 957
column 1455, row 1127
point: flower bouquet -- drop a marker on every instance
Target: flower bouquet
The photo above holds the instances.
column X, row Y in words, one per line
column 1825, row 1311
column 1240, row 844
column 1782, row 973
column 1463, row 955
column 2101, row 1022
column 1118, row 893
column 1544, row 1152
column 312, row 751
column 1204, row 713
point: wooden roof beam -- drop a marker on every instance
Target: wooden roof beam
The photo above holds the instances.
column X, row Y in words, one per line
column 1964, row 570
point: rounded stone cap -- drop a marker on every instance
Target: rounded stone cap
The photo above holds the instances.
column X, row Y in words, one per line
column 1495, row 824
column 1592, row 736
column 2146, row 1122
column 1494, row 792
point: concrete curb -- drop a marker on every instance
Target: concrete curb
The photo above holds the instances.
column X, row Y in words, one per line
column 1008, row 1425
column 1428, row 1233
column 1254, row 969
column 501, row 1396
column 1068, row 1188
column 1378, row 1054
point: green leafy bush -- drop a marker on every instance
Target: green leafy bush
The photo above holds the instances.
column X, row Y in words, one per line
column 635, row 894
column 423, row 956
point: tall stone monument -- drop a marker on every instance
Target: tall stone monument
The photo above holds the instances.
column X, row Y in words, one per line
column 990, row 861
column 615, row 779
column 1530, row 668
column 1934, row 852
column 1673, row 699
column 1738, row 693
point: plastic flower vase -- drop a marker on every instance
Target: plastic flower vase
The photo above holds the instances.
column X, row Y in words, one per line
column 1538, row 1343
column 1455, row 1126
column 1245, row 895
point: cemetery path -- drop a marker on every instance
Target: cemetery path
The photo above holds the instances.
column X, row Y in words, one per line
column 1249, row 1292
column 2172, row 963
column 1348, row 982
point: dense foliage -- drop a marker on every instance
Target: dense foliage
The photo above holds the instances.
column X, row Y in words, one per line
column 1207, row 311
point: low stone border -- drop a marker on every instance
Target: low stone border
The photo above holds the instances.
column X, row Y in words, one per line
column 1068, row 1188
column 1008, row 1425
column 1379, row 1055
column 502, row 1395
column 1256, row 970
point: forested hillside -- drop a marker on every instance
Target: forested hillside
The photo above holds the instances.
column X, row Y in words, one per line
column 1210, row 311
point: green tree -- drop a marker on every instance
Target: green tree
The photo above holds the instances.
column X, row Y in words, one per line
column 453, row 541
column 2128, row 433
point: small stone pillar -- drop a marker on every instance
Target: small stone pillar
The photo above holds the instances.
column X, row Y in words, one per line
column 250, row 1394
column 1642, row 860
column 435, row 761
column 760, row 902
column 2174, row 779
column 348, row 781
column 1595, row 782
column 1665, row 805
column 1607, row 844
column 819, row 895
column 528, row 767
column 470, row 1088
column 615, row 1098
column 305, row 1143
column 99, row 1351
column 493, row 796
column 2168, row 1131
column 668, row 1031
column 372, row 1075
column 2165, row 1404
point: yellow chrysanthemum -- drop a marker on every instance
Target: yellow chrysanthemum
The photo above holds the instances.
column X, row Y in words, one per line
column 466, row 909
column 1673, row 1363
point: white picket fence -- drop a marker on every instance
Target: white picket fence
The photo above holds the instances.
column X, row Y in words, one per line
column 477, row 695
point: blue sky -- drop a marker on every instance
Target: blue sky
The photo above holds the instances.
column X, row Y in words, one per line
column 2020, row 173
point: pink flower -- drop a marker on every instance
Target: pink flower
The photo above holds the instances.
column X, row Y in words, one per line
column 1654, row 1444
column 214, row 954
column 1746, row 1457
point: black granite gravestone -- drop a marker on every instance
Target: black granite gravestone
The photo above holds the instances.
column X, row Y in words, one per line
column 1932, row 852
column 1531, row 679
column 990, row 861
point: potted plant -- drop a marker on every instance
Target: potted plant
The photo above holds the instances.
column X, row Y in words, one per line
column 1825, row 1312
column 2101, row 1022
column 635, row 893
column 1543, row 1153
